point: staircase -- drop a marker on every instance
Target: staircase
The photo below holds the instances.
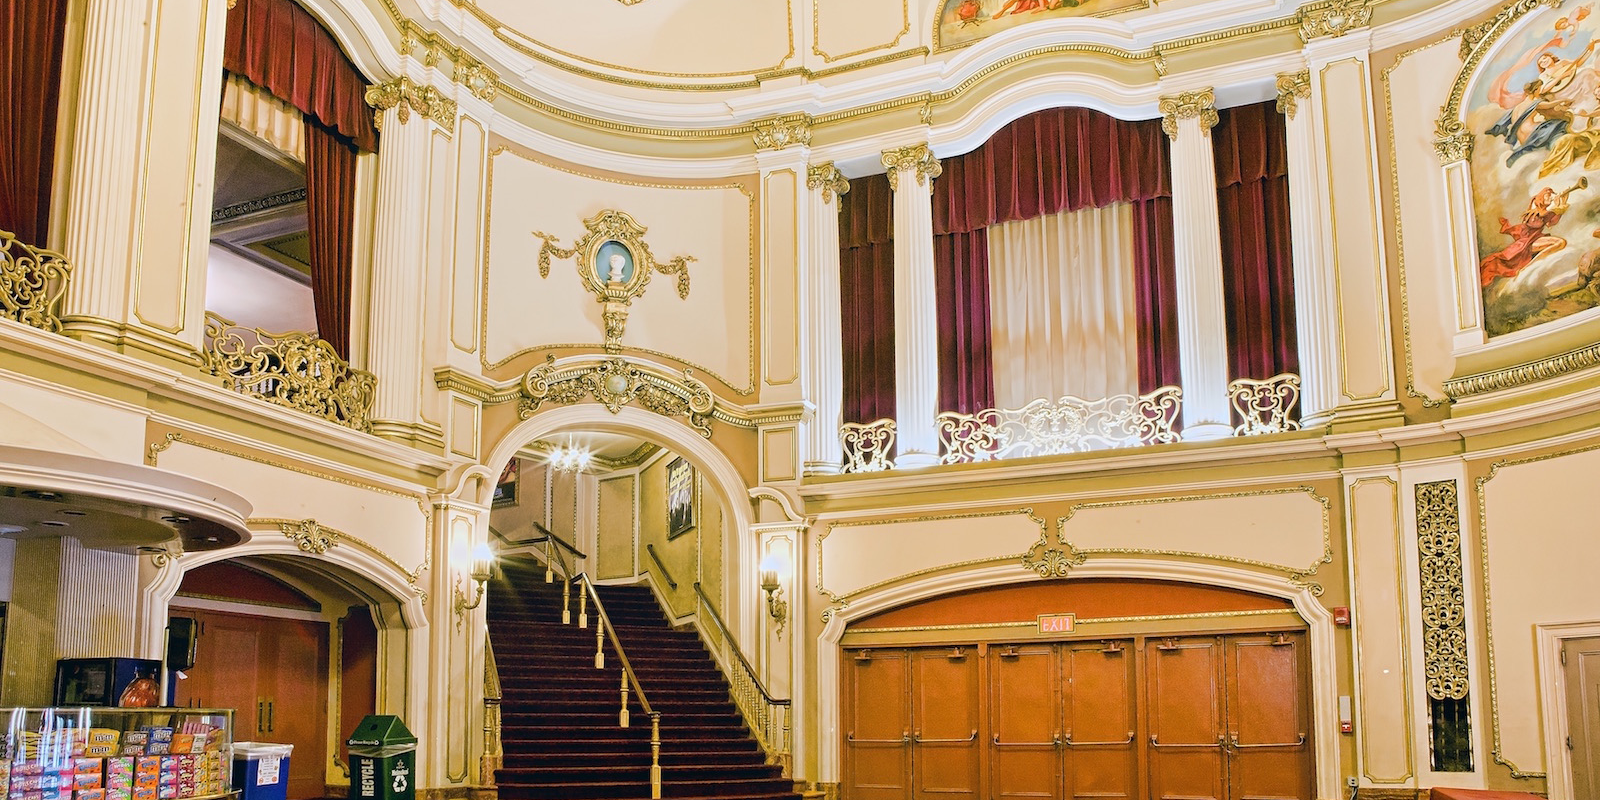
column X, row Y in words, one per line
column 559, row 715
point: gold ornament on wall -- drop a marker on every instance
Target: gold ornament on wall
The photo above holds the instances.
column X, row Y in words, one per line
column 829, row 179
column 310, row 536
column 405, row 97
column 780, row 132
column 617, row 382
column 1444, row 628
column 1292, row 88
column 1333, row 18
column 917, row 159
column 615, row 265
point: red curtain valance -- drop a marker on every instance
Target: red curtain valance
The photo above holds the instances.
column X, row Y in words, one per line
column 280, row 47
column 1059, row 159
column 1250, row 145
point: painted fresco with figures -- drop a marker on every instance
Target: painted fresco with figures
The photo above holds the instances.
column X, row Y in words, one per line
column 1535, row 109
column 963, row 22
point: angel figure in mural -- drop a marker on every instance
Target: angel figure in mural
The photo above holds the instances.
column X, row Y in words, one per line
column 1563, row 90
column 1529, row 240
column 1015, row 7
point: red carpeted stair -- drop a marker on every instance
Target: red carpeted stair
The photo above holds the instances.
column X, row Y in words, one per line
column 560, row 731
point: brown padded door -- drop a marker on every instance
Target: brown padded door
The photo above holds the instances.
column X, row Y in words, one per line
column 945, row 722
column 1184, row 686
column 878, row 725
column 1268, row 727
column 1101, row 754
column 1025, row 721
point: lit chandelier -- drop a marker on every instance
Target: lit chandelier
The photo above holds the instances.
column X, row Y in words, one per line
column 570, row 457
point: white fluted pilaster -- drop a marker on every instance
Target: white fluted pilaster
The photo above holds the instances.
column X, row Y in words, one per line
column 394, row 337
column 1202, row 324
column 102, row 204
column 822, row 355
column 912, row 171
column 1315, row 294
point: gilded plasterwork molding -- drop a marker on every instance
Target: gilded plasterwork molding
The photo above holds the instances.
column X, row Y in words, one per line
column 916, row 159
column 618, row 239
column 293, row 370
column 780, row 132
column 1200, row 104
column 1292, row 88
column 405, row 97
column 1333, row 18
column 617, row 382
column 1296, row 576
column 1052, row 562
column 1453, row 141
column 1444, row 626
column 1524, row 374
column 309, row 536
column 829, row 179
column 32, row 282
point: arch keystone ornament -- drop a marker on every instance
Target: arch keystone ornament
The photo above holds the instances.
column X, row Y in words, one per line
column 614, row 264
column 1052, row 562
column 617, row 382
column 309, row 536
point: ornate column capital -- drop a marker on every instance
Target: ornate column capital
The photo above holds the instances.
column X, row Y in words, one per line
column 1333, row 18
column 404, row 96
column 829, row 179
column 1292, row 88
column 916, row 158
column 1199, row 104
column 780, row 132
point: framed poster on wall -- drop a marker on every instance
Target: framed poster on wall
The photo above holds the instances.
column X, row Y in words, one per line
column 680, row 497
column 505, row 489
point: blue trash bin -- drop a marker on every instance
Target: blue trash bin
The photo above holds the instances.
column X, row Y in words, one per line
column 261, row 770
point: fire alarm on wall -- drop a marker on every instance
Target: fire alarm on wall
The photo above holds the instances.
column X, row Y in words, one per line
column 1341, row 615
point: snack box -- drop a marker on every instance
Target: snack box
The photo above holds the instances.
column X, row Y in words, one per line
column 147, row 765
column 140, row 738
column 168, row 792
column 90, row 794
column 87, row 780
column 115, row 793
column 159, row 733
column 53, row 794
column 145, row 782
column 144, row 794
column 98, row 751
column 102, row 736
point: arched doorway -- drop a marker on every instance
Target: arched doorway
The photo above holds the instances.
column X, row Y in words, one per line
column 300, row 645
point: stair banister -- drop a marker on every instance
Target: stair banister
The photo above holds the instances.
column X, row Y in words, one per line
column 660, row 567
column 628, row 679
column 747, row 689
column 493, row 754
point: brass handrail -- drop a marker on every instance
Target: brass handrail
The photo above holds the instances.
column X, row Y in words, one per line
column 769, row 719
column 666, row 576
column 32, row 282
column 544, row 533
column 606, row 630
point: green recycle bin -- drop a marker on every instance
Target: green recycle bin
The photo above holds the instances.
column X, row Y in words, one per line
column 383, row 759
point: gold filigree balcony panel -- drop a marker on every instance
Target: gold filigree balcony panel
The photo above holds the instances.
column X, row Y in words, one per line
column 1053, row 427
column 32, row 282
column 1265, row 406
column 294, row 370
column 868, row 446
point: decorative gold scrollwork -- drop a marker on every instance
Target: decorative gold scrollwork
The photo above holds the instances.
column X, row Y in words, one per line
column 780, row 132
column 1265, row 405
column 616, row 382
column 1444, row 627
column 408, row 97
column 917, row 159
column 829, row 179
column 310, row 536
column 1053, row 427
column 615, row 264
column 1052, row 562
column 32, row 282
column 1200, row 104
column 1333, row 18
column 294, row 370
column 1292, row 88
column 868, row 446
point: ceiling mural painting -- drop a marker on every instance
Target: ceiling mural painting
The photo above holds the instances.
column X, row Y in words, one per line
column 962, row 22
column 1534, row 111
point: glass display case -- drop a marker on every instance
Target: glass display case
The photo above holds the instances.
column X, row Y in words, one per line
column 116, row 753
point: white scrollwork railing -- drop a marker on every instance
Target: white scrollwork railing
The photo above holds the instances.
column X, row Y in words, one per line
column 1265, row 405
column 1068, row 425
column 295, row 370
column 868, row 445
column 32, row 282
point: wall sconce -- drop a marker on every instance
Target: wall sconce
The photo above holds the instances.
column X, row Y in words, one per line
column 773, row 567
column 482, row 563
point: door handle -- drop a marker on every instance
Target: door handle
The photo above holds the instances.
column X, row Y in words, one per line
column 917, row 737
column 1128, row 740
column 261, row 715
column 1221, row 742
column 1233, row 743
column 270, row 726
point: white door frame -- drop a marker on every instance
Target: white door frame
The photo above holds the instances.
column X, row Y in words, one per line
column 1549, row 637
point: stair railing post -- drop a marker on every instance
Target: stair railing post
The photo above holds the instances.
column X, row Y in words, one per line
column 599, row 647
column 583, row 609
column 624, row 715
column 566, row 602
column 655, row 756
column 549, row 564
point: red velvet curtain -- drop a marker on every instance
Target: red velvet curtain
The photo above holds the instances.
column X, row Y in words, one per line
column 1066, row 159
column 279, row 46
column 866, row 289
column 30, row 90
column 330, row 223
column 966, row 356
column 1257, row 256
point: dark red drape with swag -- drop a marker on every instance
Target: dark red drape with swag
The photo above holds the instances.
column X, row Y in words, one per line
column 330, row 228
column 966, row 354
column 1257, row 258
column 280, row 47
column 1066, row 159
column 31, row 33
column 866, row 289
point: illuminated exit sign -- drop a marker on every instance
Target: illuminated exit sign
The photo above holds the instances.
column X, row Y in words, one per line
column 1057, row 623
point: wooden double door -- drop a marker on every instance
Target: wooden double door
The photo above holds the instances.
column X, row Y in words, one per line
column 1188, row 717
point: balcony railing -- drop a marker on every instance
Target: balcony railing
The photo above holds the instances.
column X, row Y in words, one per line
column 294, row 370
column 32, row 282
column 1074, row 425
